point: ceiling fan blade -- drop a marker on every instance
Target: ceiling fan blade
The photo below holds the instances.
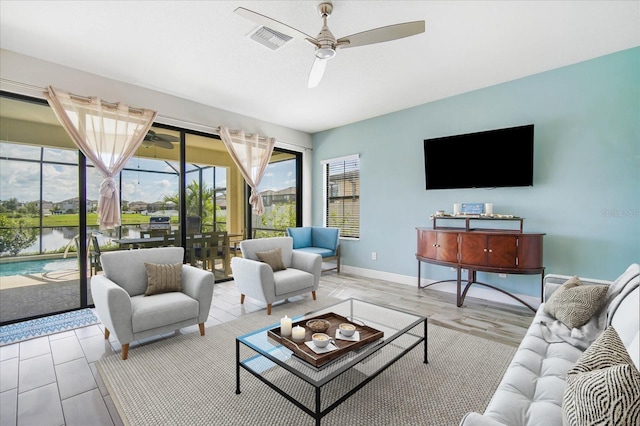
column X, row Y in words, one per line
column 167, row 138
column 317, row 71
column 382, row 34
column 273, row 24
column 163, row 144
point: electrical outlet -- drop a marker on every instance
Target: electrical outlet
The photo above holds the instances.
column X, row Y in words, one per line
column 374, row 255
column 502, row 275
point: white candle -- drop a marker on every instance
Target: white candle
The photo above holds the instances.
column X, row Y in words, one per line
column 285, row 326
column 298, row 333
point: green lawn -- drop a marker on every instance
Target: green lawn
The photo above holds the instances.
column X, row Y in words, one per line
column 70, row 220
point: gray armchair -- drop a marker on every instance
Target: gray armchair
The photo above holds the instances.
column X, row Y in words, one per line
column 125, row 311
column 257, row 279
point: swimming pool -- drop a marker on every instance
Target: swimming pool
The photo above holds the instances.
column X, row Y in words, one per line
column 36, row 266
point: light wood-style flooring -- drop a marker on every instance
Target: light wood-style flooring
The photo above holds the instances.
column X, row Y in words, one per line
column 53, row 380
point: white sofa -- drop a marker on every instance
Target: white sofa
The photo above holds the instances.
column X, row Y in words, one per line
column 119, row 295
column 531, row 390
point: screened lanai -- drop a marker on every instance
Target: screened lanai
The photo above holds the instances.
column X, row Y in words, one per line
column 180, row 183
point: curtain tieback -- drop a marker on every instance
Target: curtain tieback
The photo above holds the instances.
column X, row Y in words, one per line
column 256, row 201
column 108, row 188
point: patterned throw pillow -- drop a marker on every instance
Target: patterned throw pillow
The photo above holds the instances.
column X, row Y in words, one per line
column 163, row 278
column 605, row 351
column 272, row 258
column 574, row 304
column 603, row 388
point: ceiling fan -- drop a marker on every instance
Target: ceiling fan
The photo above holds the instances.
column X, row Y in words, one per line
column 160, row 140
column 326, row 43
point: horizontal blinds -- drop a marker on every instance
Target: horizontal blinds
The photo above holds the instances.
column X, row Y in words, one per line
column 343, row 196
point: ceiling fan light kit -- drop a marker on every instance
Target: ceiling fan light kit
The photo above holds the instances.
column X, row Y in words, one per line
column 326, row 43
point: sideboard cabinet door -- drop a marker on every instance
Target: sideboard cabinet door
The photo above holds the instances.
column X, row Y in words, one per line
column 438, row 245
column 473, row 249
column 502, row 251
column 497, row 251
column 447, row 245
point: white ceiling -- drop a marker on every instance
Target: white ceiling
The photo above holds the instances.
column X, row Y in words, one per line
column 199, row 50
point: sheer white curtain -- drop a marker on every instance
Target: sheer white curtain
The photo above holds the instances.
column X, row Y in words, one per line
column 251, row 153
column 108, row 135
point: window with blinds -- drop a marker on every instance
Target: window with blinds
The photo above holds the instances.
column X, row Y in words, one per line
column 342, row 195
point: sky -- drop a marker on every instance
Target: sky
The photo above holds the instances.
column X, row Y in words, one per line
column 21, row 180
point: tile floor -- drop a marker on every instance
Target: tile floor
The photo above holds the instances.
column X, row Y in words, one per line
column 53, row 380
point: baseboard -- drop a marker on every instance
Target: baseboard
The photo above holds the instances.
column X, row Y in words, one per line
column 476, row 291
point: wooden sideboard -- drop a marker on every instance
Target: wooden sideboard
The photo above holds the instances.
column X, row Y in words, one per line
column 502, row 251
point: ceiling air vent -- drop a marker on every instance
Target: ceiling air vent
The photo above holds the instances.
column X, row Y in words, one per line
column 270, row 38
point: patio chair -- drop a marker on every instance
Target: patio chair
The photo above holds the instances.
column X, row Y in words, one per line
column 94, row 256
column 207, row 248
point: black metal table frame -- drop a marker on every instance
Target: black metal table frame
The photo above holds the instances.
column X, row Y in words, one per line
column 318, row 413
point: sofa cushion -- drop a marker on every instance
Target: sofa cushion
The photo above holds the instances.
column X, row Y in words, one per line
column 318, row 250
column 530, row 392
column 326, row 238
column 163, row 278
column 292, row 280
column 574, row 304
column 162, row 309
column 272, row 258
column 604, row 385
column 301, row 236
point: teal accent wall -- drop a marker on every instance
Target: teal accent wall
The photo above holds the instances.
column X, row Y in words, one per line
column 586, row 192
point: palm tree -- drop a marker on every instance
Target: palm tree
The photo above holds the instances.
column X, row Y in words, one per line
column 193, row 201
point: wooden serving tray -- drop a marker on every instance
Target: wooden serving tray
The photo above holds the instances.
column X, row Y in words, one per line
column 367, row 335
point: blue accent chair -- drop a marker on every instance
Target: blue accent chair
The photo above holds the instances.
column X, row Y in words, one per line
column 319, row 240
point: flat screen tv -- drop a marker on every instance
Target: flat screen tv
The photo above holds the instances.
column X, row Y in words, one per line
column 490, row 159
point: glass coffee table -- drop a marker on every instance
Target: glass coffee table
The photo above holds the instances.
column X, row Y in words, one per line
column 317, row 390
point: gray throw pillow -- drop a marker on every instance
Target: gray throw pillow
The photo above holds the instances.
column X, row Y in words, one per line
column 272, row 258
column 163, row 278
column 574, row 304
column 603, row 388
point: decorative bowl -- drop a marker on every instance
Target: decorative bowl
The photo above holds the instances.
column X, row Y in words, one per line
column 318, row 325
column 320, row 339
column 347, row 329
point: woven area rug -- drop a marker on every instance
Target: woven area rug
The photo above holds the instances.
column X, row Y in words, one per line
column 44, row 326
column 190, row 380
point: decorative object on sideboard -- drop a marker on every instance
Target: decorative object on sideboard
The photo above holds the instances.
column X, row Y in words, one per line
column 488, row 209
column 472, row 208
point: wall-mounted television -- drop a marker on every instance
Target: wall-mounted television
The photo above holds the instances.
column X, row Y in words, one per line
column 489, row 159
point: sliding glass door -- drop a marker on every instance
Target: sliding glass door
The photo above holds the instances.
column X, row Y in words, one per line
column 280, row 189
column 179, row 187
column 39, row 220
